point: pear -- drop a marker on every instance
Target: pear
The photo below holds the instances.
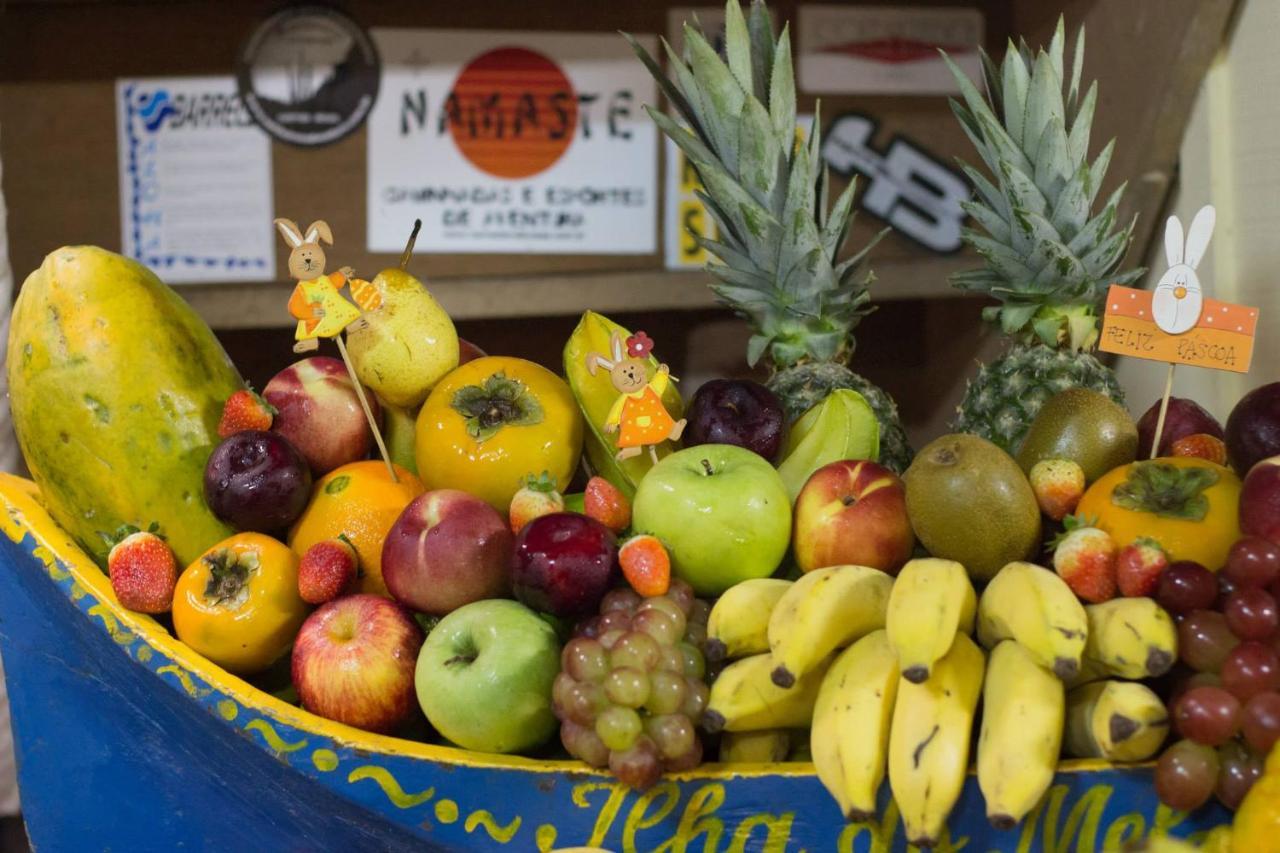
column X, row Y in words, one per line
column 405, row 346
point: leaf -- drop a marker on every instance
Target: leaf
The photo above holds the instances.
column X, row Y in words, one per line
column 1001, row 258
column 799, row 231
column 1082, row 331
column 1078, row 139
column 1057, row 45
column 674, row 95
column 1044, row 100
column 1048, row 329
column 496, row 403
column 1006, row 154
column 742, row 278
column 758, row 152
column 691, row 145
column 1014, row 317
column 782, row 92
column 991, row 82
column 1106, row 255
column 975, row 281
column 743, row 299
column 994, row 198
column 1072, row 208
column 1016, row 81
column 1065, row 270
column 756, row 347
column 689, row 90
column 723, row 251
column 1053, row 165
column 1098, row 171
column 988, row 219
column 972, row 130
column 1166, row 490
column 760, row 26
column 1095, row 229
column 1077, row 66
column 737, row 47
column 720, row 95
column 836, row 228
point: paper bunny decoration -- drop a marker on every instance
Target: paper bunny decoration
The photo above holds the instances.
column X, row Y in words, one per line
column 316, row 302
column 1178, row 297
column 638, row 416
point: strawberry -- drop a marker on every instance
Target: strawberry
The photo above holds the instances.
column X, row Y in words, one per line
column 1085, row 557
column 327, row 570
column 1058, row 485
column 646, row 565
column 143, row 570
column 606, row 503
column 1201, row 445
column 536, row 498
column 245, row 410
column 1138, row 567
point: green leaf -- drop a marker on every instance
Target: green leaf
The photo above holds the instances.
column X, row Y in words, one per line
column 782, row 93
column 758, row 152
column 993, row 197
column 692, row 146
column 760, row 26
column 674, row 95
column 1097, row 227
column 1071, row 211
column 836, row 228
column 1044, row 101
column 740, row 277
column 688, row 87
column 991, row 81
column 1078, row 139
column 1047, row 329
column 1166, row 490
column 756, row 347
column 1106, row 255
column 1016, row 81
column 737, row 46
column 1014, row 317
column 720, row 95
column 1077, row 66
column 972, row 130
column 1098, row 171
column 1008, row 156
column 1082, row 331
column 494, row 404
column 1065, row 270
column 975, row 281
column 1057, row 46
column 999, row 256
column 1053, row 164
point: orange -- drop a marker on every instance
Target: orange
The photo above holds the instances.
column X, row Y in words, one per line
column 1202, row 531
column 361, row 502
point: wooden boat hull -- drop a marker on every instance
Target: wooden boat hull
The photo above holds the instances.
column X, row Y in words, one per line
column 129, row 740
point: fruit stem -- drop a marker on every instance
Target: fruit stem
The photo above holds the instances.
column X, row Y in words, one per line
column 461, row 659
column 706, row 463
column 408, row 247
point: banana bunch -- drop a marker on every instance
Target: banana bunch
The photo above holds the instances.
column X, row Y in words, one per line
column 745, row 698
column 1034, row 606
column 929, row 740
column 739, row 622
column 1128, row 638
column 1115, row 720
column 824, row 610
column 763, row 746
column 850, row 735
column 932, row 601
column 1023, row 711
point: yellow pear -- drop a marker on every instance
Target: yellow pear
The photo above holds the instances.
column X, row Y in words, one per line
column 405, row 346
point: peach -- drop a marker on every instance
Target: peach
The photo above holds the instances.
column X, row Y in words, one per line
column 852, row 512
column 318, row 411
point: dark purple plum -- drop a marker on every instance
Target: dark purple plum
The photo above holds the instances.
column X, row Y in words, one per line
column 738, row 412
column 1253, row 428
column 564, row 563
column 1185, row 417
column 257, row 480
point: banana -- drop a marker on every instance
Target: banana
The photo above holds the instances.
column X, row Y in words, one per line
column 1034, row 606
column 1023, row 711
column 766, row 746
column 1115, row 720
column 743, row 698
column 850, row 735
column 824, row 610
column 1129, row 638
column 931, row 601
column 739, row 622
column 929, row 740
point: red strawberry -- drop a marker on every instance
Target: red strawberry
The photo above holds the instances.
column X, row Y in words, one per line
column 646, row 565
column 245, row 410
column 1058, row 485
column 327, row 570
column 1138, row 567
column 143, row 570
column 1085, row 557
column 536, row 498
column 606, row 503
column 1201, row 445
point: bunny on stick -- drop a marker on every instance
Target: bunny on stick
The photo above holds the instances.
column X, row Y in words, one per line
column 321, row 310
column 638, row 415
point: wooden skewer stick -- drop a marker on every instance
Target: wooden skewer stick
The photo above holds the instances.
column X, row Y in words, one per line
column 1164, row 410
column 364, row 404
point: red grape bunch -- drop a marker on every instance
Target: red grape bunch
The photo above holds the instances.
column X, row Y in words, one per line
column 632, row 685
column 1228, row 711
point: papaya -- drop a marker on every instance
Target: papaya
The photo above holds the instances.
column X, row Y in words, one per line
column 596, row 395
column 116, row 387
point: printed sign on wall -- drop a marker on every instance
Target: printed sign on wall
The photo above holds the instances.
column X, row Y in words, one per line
column 512, row 142
column 195, row 181
column 881, row 50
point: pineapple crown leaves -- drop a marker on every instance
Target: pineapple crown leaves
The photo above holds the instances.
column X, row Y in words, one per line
column 1048, row 257
column 766, row 189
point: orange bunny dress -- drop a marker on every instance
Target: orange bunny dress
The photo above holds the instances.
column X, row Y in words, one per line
column 324, row 291
column 640, row 415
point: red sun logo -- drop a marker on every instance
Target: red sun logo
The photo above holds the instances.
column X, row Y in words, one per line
column 512, row 112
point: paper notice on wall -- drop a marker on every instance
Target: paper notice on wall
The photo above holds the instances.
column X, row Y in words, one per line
column 881, row 50
column 195, row 181
column 512, row 142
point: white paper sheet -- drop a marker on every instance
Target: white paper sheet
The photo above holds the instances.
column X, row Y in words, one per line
column 195, row 181
column 512, row 142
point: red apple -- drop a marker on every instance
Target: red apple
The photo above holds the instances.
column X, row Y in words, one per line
column 318, row 411
column 852, row 512
column 468, row 351
column 447, row 549
column 354, row 661
column 1260, row 500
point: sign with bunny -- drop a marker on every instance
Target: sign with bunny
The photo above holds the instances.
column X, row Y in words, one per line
column 1177, row 323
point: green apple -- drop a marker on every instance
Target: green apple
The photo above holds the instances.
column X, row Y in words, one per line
column 722, row 511
column 484, row 677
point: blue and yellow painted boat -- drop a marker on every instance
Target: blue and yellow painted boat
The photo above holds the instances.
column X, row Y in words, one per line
column 129, row 740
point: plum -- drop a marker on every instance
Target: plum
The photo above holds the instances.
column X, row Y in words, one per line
column 1185, row 417
column 564, row 563
column 256, row 480
column 1253, row 428
column 739, row 412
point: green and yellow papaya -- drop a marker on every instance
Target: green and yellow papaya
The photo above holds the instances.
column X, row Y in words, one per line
column 116, row 387
column 596, row 395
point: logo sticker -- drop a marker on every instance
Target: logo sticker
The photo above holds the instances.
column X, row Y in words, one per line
column 309, row 75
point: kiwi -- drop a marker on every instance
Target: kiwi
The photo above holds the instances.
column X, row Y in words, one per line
column 1084, row 426
column 970, row 502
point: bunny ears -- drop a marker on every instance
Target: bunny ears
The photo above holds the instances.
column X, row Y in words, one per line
column 316, row 231
column 1197, row 240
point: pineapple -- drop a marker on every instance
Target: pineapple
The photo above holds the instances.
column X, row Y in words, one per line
column 1049, row 259
column 768, row 193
